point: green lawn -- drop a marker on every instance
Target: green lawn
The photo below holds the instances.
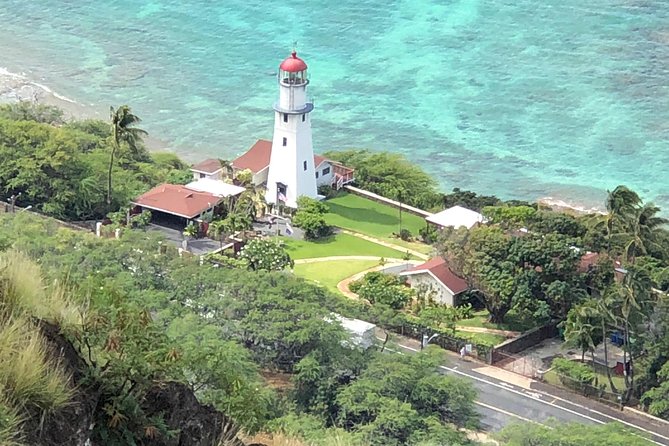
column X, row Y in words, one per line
column 511, row 322
column 359, row 214
column 337, row 245
column 329, row 274
column 481, row 338
column 552, row 378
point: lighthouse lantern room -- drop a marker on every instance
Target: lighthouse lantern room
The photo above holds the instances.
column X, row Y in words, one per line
column 291, row 171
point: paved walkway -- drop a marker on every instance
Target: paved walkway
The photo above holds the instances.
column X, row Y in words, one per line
column 399, row 248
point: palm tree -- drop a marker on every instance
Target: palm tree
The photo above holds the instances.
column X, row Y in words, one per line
column 621, row 207
column 581, row 328
column 634, row 295
column 227, row 168
column 604, row 305
column 123, row 129
column 643, row 232
column 217, row 230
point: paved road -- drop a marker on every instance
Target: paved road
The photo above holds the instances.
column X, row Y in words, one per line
column 501, row 403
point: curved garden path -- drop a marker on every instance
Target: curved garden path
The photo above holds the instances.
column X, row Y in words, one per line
column 334, row 258
column 399, row 248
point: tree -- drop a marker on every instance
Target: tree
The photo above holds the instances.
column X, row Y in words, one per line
column 395, row 396
column 384, row 289
column 310, row 217
column 123, row 130
column 267, row 255
column 572, row 434
column 582, row 328
column 389, row 174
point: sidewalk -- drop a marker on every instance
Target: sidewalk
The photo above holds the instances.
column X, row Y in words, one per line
column 539, row 391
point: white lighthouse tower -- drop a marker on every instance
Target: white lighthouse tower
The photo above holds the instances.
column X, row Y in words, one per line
column 291, row 169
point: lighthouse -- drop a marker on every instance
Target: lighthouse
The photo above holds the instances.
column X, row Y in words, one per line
column 291, row 172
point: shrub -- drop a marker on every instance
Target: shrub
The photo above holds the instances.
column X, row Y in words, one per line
column 265, row 254
column 405, row 235
column 428, row 234
column 574, row 375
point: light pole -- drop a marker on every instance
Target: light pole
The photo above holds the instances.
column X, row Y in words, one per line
column 399, row 200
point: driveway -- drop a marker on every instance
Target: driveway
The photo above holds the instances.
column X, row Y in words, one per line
column 199, row 246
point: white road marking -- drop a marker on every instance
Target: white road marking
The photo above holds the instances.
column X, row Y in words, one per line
column 505, row 412
column 632, row 425
column 507, row 385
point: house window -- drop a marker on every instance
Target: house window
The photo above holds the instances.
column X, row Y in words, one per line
column 316, row 174
column 326, row 171
column 304, row 164
column 202, row 175
column 304, row 117
column 285, row 117
column 285, row 142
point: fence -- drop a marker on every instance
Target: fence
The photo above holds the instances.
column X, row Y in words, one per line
column 526, row 340
column 445, row 339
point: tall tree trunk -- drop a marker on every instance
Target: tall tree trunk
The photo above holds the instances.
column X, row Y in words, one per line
column 594, row 367
column 109, row 178
column 606, row 359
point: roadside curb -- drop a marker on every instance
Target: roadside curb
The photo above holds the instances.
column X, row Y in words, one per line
column 645, row 414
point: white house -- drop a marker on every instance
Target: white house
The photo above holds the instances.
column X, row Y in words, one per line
column 209, row 168
column 436, row 278
column 456, row 217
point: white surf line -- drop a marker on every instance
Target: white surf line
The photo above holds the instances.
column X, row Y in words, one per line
column 627, row 423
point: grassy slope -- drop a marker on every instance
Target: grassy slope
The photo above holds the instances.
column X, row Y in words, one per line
column 337, row 245
column 511, row 322
column 329, row 274
column 359, row 214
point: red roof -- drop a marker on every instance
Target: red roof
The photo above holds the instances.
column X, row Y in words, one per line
column 256, row 158
column 440, row 270
column 318, row 160
column 588, row 260
column 177, row 200
column 293, row 64
column 208, row 166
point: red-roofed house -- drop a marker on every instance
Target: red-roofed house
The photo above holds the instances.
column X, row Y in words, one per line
column 436, row 276
column 177, row 204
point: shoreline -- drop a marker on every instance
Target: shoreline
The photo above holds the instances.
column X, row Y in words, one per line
column 18, row 87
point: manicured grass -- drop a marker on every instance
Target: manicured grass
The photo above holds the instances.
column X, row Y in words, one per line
column 359, row 214
column 511, row 322
column 337, row 245
column 329, row 274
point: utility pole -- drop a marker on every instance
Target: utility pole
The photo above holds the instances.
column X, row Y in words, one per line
column 399, row 199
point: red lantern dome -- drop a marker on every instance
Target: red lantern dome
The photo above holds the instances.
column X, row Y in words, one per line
column 293, row 64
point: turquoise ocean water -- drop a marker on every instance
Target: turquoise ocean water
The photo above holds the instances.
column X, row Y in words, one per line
column 523, row 99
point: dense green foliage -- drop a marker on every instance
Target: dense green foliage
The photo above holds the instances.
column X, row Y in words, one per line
column 63, row 170
column 573, row 434
column 310, row 217
column 390, row 175
column 384, row 289
column 266, row 255
column 153, row 317
column 535, row 274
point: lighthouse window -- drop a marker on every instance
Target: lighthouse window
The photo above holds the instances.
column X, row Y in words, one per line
column 285, row 117
column 316, row 174
column 304, row 118
column 285, row 142
column 304, row 164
